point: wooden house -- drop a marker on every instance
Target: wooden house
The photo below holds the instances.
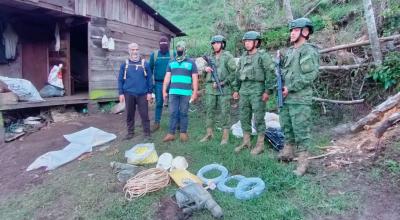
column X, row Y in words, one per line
column 89, row 71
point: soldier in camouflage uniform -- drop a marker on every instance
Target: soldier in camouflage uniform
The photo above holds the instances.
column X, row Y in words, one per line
column 299, row 68
column 254, row 81
column 226, row 68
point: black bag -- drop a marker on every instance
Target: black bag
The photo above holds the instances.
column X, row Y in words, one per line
column 276, row 137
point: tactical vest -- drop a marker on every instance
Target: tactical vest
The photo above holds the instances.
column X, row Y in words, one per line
column 251, row 68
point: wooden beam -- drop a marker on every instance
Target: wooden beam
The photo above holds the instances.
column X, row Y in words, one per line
column 346, row 67
column 358, row 44
column 350, row 102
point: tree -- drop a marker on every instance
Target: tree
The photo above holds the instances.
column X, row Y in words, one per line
column 372, row 32
column 288, row 10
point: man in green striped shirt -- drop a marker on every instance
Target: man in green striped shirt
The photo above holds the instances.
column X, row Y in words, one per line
column 182, row 79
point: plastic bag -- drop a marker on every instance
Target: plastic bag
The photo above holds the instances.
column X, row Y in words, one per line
column 51, row 91
column 23, row 88
column 142, row 154
column 164, row 161
column 104, row 42
column 111, row 44
column 55, row 76
column 237, row 130
column 276, row 137
column 272, row 120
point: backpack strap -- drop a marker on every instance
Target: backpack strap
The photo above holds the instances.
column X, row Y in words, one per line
column 126, row 68
column 144, row 68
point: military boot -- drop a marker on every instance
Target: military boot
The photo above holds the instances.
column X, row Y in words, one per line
column 225, row 137
column 286, row 154
column 184, row 137
column 169, row 137
column 302, row 164
column 259, row 146
column 208, row 135
column 246, row 142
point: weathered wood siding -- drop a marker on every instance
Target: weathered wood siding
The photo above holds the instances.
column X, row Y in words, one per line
column 122, row 20
column 124, row 11
column 104, row 65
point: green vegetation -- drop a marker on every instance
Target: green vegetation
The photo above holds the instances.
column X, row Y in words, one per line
column 389, row 73
column 80, row 190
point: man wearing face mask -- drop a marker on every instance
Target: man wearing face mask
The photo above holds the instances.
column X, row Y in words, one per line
column 255, row 79
column 182, row 74
column 158, row 64
column 135, row 87
column 299, row 69
column 226, row 67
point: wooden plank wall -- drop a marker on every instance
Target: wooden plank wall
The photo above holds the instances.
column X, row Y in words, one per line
column 124, row 11
column 104, row 65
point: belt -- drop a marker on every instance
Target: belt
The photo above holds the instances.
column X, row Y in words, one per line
column 157, row 80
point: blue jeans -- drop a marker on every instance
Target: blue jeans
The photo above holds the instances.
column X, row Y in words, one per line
column 178, row 110
column 159, row 101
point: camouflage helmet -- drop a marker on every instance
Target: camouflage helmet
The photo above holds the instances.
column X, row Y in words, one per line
column 301, row 23
column 252, row 35
column 218, row 38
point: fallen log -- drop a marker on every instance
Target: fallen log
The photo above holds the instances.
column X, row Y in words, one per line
column 392, row 120
column 377, row 113
column 351, row 102
column 346, row 67
column 362, row 43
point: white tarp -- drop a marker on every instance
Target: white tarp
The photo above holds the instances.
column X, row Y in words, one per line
column 81, row 142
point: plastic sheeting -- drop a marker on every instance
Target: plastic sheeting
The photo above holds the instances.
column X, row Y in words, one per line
column 80, row 142
column 23, row 88
column 271, row 121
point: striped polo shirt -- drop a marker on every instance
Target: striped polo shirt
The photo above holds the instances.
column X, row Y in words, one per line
column 181, row 77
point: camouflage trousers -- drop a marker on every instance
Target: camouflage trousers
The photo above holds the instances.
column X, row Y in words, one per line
column 212, row 103
column 249, row 104
column 295, row 120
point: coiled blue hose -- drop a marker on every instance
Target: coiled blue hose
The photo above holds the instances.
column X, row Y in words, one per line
column 224, row 188
column 207, row 168
column 249, row 188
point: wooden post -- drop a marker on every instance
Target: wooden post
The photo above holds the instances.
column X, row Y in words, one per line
column 2, row 129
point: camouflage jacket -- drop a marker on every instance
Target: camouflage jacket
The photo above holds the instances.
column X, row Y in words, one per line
column 299, row 70
column 255, row 74
column 226, row 67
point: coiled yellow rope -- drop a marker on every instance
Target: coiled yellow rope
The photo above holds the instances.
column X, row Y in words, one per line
column 146, row 181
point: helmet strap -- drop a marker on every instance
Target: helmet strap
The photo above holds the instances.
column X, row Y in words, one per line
column 301, row 34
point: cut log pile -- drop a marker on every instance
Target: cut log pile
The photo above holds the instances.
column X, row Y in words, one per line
column 366, row 138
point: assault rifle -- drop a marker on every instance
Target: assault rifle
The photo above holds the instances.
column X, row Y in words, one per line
column 278, row 74
column 214, row 73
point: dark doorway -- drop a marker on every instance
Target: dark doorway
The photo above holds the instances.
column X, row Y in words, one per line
column 79, row 59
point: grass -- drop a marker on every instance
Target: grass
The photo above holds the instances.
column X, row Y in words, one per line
column 79, row 190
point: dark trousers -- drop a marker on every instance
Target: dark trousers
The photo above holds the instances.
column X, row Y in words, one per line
column 130, row 107
column 178, row 109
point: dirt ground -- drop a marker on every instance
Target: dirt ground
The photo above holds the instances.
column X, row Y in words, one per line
column 16, row 156
column 378, row 197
